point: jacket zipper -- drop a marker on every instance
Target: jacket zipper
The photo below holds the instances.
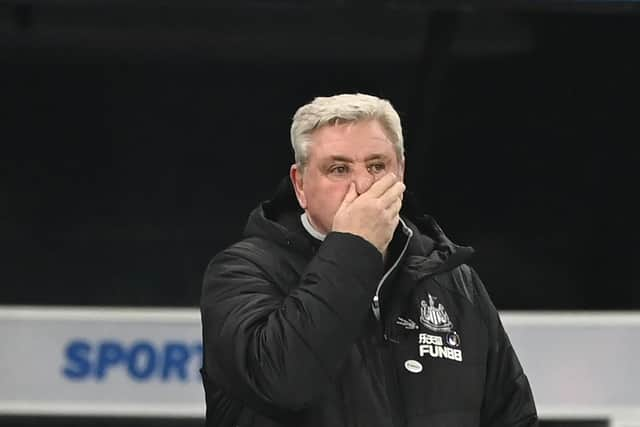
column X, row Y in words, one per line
column 375, row 305
column 390, row 374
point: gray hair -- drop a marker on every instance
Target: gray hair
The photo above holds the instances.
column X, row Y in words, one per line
column 345, row 108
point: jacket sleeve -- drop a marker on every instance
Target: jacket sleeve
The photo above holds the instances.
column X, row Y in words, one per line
column 277, row 351
column 508, row 400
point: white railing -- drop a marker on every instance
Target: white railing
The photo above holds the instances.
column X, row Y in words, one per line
column 144, row 362
column 581, row 364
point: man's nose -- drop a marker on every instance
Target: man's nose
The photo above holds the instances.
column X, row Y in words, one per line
column 363, row 180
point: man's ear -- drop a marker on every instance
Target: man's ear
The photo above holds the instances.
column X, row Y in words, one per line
column 296, row 179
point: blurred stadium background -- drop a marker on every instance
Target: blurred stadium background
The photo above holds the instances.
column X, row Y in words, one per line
column 137, row 135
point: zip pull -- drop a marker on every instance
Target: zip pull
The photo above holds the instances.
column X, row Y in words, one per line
column 375, row 306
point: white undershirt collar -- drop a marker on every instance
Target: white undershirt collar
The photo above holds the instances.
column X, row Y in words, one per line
column 306, row 223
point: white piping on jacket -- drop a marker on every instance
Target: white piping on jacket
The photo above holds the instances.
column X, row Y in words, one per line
column 375, row 304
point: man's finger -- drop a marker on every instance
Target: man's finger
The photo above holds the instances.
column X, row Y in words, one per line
column 351, row 195
column 382, row 185
column 394, row 193
column 395, row 207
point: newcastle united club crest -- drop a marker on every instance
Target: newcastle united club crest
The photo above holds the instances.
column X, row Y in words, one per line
column 434, row 317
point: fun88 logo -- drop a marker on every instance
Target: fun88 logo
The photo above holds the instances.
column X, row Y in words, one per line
column 140, row 360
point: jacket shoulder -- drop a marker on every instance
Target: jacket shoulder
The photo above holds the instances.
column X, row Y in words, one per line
column 460, row 280
column 251, row 250
column 257, row 257
column 464, row 283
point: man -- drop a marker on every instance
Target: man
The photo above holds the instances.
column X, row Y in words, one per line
column 337, row 310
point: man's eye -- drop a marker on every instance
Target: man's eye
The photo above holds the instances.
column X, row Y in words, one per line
column 339, row 170
column 376, row 167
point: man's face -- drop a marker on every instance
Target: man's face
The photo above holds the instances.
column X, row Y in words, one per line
column 357, row 152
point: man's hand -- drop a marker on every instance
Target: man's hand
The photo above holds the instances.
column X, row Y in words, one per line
column 374, row 214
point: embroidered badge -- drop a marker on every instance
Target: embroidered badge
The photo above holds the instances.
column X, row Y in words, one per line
column 434, row 317
column 453, row 339
column 407, row 323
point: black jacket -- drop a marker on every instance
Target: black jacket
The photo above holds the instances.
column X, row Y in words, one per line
column 292, row 336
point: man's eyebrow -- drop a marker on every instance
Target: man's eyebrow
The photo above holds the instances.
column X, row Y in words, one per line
column 339, row 159
column 376, row 156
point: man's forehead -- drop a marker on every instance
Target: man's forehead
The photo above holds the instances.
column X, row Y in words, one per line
column 337, row 141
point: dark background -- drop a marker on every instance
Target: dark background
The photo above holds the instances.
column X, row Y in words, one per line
column 136, row 137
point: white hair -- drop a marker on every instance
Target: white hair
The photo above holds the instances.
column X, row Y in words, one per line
column 345, row 108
